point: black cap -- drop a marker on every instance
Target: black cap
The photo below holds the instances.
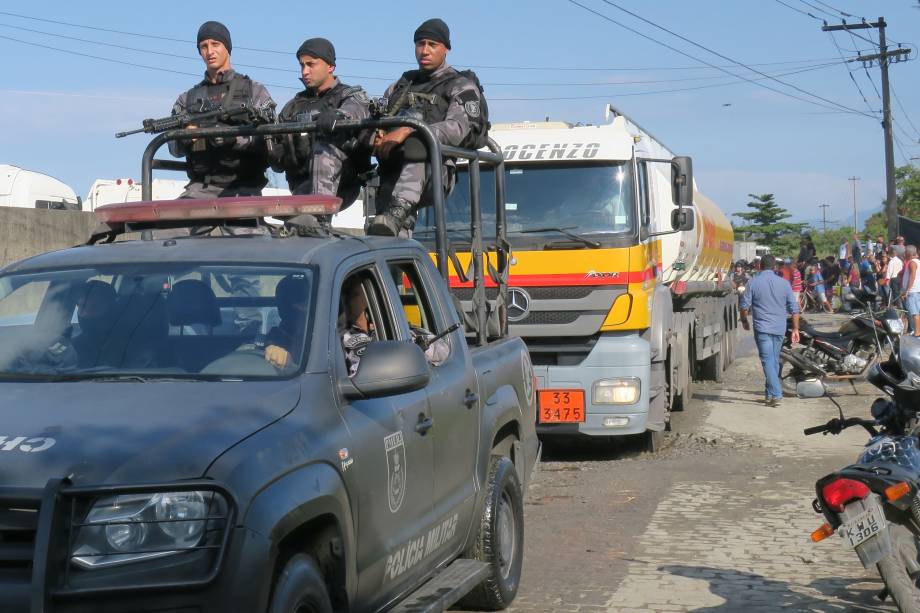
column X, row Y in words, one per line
column 318, row 47
column 215, row 30
column 433, row 29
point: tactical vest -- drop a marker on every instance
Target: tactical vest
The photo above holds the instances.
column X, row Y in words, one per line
column 299, row 149
column 220, row 165
column 431, row 97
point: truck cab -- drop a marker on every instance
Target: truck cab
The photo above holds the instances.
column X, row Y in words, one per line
column 608, row 233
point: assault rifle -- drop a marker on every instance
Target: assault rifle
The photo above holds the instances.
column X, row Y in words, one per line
column 221, row 114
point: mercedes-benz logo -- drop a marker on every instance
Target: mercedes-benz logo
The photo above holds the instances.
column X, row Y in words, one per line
column 518, row 304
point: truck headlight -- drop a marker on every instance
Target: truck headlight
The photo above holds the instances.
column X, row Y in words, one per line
column 623, row 390
column 135, row 527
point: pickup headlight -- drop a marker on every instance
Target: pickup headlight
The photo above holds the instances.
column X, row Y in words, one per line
column 624, row 390
column 135, row 527
column 895, row 325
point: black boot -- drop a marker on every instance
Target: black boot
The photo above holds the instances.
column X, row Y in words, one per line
column 398, row 220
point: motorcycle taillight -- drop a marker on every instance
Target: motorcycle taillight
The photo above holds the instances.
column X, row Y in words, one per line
column 838, row 493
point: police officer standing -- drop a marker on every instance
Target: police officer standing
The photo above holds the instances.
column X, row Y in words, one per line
column 327, row 163
column 222, row 167
column 450, row 102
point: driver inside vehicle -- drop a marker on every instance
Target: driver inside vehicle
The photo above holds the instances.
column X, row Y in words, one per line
column 291, row 301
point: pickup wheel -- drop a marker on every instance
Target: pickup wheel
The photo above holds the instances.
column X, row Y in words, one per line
column 300, row 588
column 500, row 539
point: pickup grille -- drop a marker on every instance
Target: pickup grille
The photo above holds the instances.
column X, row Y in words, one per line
column 18, row 527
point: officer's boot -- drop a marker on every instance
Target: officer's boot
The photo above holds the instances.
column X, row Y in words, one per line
column 398, row 220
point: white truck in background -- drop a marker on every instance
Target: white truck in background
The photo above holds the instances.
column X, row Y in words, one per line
column 111, row 191
column 34, row 190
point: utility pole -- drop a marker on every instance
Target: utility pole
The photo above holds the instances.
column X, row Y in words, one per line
column 882, row 57
column 855, row 215
column 824, row 208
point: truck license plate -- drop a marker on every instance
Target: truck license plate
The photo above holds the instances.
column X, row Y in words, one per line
column 864, row 526
column 562, row 406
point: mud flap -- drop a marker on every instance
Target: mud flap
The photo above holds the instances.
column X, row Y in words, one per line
column 658, row 395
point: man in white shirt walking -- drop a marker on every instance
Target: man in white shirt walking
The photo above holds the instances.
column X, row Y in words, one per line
column 911, row 288
column 893, row 276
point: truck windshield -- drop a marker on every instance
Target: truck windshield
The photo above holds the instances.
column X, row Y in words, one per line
column 590, row 200
column 182, row 321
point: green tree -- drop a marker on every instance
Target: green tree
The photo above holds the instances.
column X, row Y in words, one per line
column 765, row 224
column 907, row 184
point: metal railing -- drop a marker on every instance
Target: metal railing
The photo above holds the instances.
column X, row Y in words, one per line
column 483, row 311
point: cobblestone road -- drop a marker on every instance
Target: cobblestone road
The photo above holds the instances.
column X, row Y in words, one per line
column 718, row 521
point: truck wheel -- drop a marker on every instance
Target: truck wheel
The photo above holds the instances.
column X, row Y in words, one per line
column 300, row 588
column 500, row 539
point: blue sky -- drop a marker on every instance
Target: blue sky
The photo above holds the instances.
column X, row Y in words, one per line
column 59, row 109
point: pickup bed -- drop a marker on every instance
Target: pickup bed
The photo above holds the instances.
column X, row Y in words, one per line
column 153, row 457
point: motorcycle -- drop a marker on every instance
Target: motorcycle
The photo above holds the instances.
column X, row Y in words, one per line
column 840, row 355
column 873, row 505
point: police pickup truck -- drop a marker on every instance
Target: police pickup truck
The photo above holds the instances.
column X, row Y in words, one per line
column 184, row 429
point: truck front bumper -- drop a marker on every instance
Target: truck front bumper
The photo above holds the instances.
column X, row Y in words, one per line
column 613, row 356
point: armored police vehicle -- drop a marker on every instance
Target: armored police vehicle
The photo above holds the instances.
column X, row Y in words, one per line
column 184, row 429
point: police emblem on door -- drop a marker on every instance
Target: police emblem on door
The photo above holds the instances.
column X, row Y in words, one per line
column 396, row 470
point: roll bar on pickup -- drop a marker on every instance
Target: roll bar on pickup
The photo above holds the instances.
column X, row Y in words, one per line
column 489, row 318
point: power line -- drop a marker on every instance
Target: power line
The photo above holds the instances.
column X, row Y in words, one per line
column 904, row 111
column 817, row 8
column 798, row 10
column 850, row 73
column 397, row 62
column 670, row 91
column 347, row 76
column 833, row 8
column 724, row 57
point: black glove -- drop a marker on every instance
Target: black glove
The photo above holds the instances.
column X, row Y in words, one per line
column 325, row 121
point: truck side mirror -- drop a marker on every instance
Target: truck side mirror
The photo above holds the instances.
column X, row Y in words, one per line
column 682, row 180
column 388, row 368
column 682, row 219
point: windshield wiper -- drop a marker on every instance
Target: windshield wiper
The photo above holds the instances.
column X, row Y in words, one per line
column 564, row 231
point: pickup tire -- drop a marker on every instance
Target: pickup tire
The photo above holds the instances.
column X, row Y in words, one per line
column 500, row 539
column 300, row 588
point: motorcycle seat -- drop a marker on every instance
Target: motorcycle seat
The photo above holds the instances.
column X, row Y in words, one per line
column 808, row 329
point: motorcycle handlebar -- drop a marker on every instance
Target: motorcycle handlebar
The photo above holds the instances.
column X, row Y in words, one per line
column 836, row 426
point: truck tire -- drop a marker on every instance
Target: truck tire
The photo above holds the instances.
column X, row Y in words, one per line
column 300, row 588
column 893, row 568
column 499, row 539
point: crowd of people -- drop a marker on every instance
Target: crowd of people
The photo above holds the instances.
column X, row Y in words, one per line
column 891, row 271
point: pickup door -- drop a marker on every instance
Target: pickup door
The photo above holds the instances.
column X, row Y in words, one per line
column 453, row 393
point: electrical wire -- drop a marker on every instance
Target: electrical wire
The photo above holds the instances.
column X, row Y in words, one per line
column 798, row 10
column 401, row 62
column 675, row 90
column 850, row 73
column 903, row 110
column 763, row 85
column 817, row 8
column 833, row 8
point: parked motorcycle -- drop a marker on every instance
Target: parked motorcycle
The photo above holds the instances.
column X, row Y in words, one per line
column 873, row 505
column 844, row 354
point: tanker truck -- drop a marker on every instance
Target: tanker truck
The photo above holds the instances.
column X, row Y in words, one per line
column 618, row 281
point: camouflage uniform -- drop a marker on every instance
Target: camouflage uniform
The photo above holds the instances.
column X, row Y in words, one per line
column 326, row 164
column 405, row 188
column 216, row 168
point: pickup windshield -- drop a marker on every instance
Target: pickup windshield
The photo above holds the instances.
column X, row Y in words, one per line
column 594, row 201
column 150, row 322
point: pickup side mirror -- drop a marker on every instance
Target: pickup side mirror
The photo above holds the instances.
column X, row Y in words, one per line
column 388, row 368
column 682, row 219
column 682, row 181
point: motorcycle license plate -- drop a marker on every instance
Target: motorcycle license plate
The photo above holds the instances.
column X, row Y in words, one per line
column 562, row 406
column 864, row 526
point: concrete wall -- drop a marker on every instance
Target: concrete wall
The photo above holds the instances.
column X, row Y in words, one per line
column 27, row 232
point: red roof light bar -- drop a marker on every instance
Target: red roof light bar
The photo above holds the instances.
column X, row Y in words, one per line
column 245, row 207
